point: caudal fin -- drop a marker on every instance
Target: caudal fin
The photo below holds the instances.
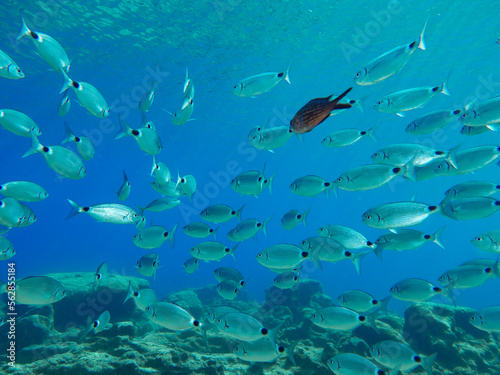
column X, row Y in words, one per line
column 337, row 105
column 25, row 31
column 35, row 146
column 75, row 209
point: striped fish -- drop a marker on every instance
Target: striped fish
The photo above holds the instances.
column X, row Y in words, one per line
column 315, row 112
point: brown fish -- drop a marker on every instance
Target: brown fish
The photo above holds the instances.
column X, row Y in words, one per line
column 315, row 112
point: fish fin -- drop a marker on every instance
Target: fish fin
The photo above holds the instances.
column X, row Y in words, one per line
column 338, row 98
column 437, row 237
column 409, row 171
column 452, row 156
column 371, row 320
column 215, row 230
column 125, row 179
column 271, row 182
column 304, row 216
column 400, row 114
column 357, row 257
column 68, row 82
column 316, row 261
column 68, row 134
column 130, row 292
column 264, row 224
column 75, row 209
column 444, row 89
column 341, row 106
column 371, row 132
column 493, row 127
column 378, row 252
column 25, row 31
column 289, row 351
column 4, row 229
column 335, row 190
column 287, row 76
column 421, row 42
column 233, row 249
column 360, row 105
column 171, row 236
column 35, row 146
column 496, row 267
column 186, row 81
column 427, row 363
column 170, row 113
column 394, row 371
column 271, row 335
column 238, row 213
column 154, row 166
column 125, row 129
column 383, row 305
column 448, row 292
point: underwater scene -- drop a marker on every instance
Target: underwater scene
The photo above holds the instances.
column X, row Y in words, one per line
column 249, row 187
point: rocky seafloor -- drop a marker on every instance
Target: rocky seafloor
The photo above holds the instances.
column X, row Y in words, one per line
column 46, row 338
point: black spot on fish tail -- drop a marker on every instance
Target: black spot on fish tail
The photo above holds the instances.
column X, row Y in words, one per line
column 380, row 372
column 396, row 170
column 196, row 323
column 437, row 290
column 488, row 270
column 85, row 209
column 77, row 139
column 457, row 111
column 136, row 294
column 210, row 230
column 496, row 187
column 227, row 249
column 434, row 89
column 233, row 212
column 374, row 302
column 439, row 153
column 369, row 243
column 259, row 225
column 497, row 203
column 427, row 236
column 280, row 75
column 362, row 318
column 33, row 35
column 348, row 254
column 305, row 254
column 45, row 149
column 75, row 84
column 165, row 234
column 417, row 359
column 326, row 184
column 363, row 132
column 298, row 216
column 264, row 331
column 281, row 349
column 432, row 208
column 135, row 132
column 412, row 45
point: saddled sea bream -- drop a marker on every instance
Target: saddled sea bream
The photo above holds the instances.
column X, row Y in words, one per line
column 354, row 364
column 316, row 111
column 187, row 184
column 8, row 67
column 64, row 105
column 100, row 324
column 7, row 250
column 406, row 100
column 142, row 297
column 15, row 214
column 469, row 208
column 488, row 241
column 469, row 160
column 361, row 301
column 263, row 350
column 349, row 238
column 341, row 318
column 228, row 289
column 148, row 265
column 398, row 215
column 124, row 190
column 415, row 290
column 18, row 123
column 171, row 316
column 199, row 230
column 287, row 279
column 247, row 229
column 346, row 137
column 48, row 48
column 487, row 319
column 37, row 291
column 259, row 84
column 401, row 154
column 284, row 257
column 101, row 271
column 220, row 213
column 83, row 144
column 407, row 239
column 486, row 113
column 147, row 139
column 270, row 138
column 293, row 217
column 393, row 354
column 389, row 63
column 191, row 265
column 60, row 159
column 470, row 189
column 310, row 186
column 161, row 204
column 432, row 121
column 88, row 96
column 107, row 212
column 161, row 172
column 154, row 236
column 468, row 276
column 23, row 191
column 147, row 98
column 252, row 182
column 211, row 250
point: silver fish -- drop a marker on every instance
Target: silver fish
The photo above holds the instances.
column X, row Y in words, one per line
column 161, row 172
column 473, row 130
column 171, row 189
column 100, row 324
column 18, row 123
column 354, row 364
column 403, row 153
column 188, row 87
column 247, row 229
column 398, row 215
column 83, row 144
column 37, row 291
column 183, row 113
column 341, row 318
column 228, row 289
column 488, row 241
column 147, row 99
column 161, row 204
column 171, row 316
column 464, row 277
column 24, row 191
column 310, row 186
column 142, row 297
column 349, row 238
column 347, row 137
column 220, row 213
column 486, row 113
column 469, row 160
column 393, row 354
column 229, row 273
column 487, row 319
column 7, row 250
column 252, row 182
column 199, row 230
column 415, row 290
column 191, row 265
column 471, row 189
column 283, row 257
column 211, row 250
column 148, row 265
column 215, row 313
column 154, row 236
column 469, row 208
column 269, row 139
column 64, row 106
column 187, row 184
column 259, row 84
column 9, row 68
column 358, row 301
column 389, row 63
column 124, row 190
column 293, row 217
column 432, row 121
column 15, row 214
column 101, row 271
column 286, row 280
column 147, row 139
column 407, row 239
column 263, row 350
column 108, row 213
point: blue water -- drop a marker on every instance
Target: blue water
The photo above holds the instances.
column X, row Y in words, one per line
column 222, row 43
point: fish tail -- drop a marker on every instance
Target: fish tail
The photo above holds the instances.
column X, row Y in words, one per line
column 335, row 190
column 338, row 105
column 371, row 132
column 421, row 42
column 271, row 335
column 316, row 261
column 233, row 249
column 448, row 292
column 356, row 259
column 264, row 224
column 3, row 288
column 75, row 209
column 304, row 216
column 287, row 75
column 130, row 292
column 141, row 209
column 215, row 231
column 378, row 252
column 68, row 134
column 360, row 104
column 153, row 168
column 496, row 267
column 427, row 363
column 171, row 236
column 238, row 213
column 125, row 179
column 409, row 171
column 371, row 320
column 452, row 156
column 35, row 146
column 271, row 183
column 444, row 88
column 68, row 82
column 125, row 129
column 289, row 351
column 24, row 29
column 437, row 237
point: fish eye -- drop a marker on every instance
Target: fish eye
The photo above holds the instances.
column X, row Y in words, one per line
column 473, row 318
column 368, row 217
column 339, row 179
column 479, row 238
column 260, row 255
column 358, row 74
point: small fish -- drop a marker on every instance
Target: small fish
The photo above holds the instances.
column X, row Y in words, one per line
column 469, row 208
column 346, row 137
column 88, row 96
column 252, row 182
column 310, row 186
column 18, row 123
column 183, row 113
column 286, row 280
column 48, row 48
column 432, row 121
column 354, row 364
column 147, row 99
column 389, row 63
column 398, row 215
column 187, row 184
column 37, row 291
column 83, row 144
column 293, row 217
column 188, row 87
column 8, row 67
column 101, row 271
column 406, row 100
column 403, row 153
column 142, row 297
column 161, row 204
column 15, row 214
column 315, row 112
column 349, row 238
column 64, row 106
column 247, row 229
column 7, row 250
column 406, row 239
column 471, row 189
column 263, row 350
column 100, row 324
column 107, row 213
column 148, row 265
column 154, row 236
column 465, row 277
column 147, row 139
column 220, row 213
column 473, row 130
column 415, row 290
column 60, row 159
column 371, row 176
column 228, row 289
column 199, row 230
column 283, row 257
column 161, row 172
column 341, row 318
column 486, row 113
column 259, row 84
column 469, row 160
column 171, row 189
column 358, row 301
column 488, row 241
column 171, row 316
column 269, row 139
column 229, row 273
column 393, row 354
column 245, row 327
column 487, row 319
column 28, row 217
column 191, row 265
column 428, row 170
column 211, row 250
column 215, row 313
column 124, row 190
column 24, row 191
